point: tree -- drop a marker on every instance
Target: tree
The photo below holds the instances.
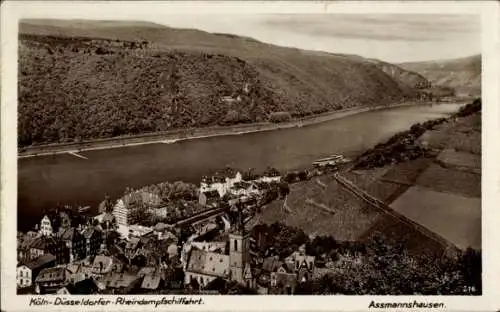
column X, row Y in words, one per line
column 284, row 189
column 250, row 175
column 271, row 172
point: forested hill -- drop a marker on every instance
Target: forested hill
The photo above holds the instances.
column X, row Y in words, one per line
column 462, row 74
column 102, row 79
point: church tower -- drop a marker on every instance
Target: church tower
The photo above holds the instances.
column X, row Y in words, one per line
column 239, row 250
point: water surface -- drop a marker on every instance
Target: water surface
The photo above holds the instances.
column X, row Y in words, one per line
column 47, row 181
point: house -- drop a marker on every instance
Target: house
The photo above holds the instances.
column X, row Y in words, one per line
column 49, row 244
column 262, row 284
column 165, row 235
column 84, row 287
column 209, row 198
column 49, row 224
column 122, row 283
column 79, row 271
column 221, row 187
column 23, row 248
column 303, row 265
column 230, row 99
column 283, row 282
column 205, row 266
column 266, row 179
column 244, row 188
column 153, row 280
column 219, row 247
column 23, row 274
column 51, row 279
column 271, row 264
column 104, row 265
column 173, row 251
column 137, row 230
column 93, row 240
column 127, row 207
column 75, row 242
column 203, row 227
column 159, row 212
column 106, row 221
column 26, row 273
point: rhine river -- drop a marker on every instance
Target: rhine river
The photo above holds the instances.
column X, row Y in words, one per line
column 48, row 181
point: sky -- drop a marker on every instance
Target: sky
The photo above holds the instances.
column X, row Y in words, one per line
column 393, row 38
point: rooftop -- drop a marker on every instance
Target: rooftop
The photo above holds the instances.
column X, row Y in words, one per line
column 41, row 261
column 208, row 263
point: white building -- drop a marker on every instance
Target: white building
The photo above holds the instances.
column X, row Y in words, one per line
column 23, row 276
column 221, row 187
column 134, row 230
column 268, row 179
column 125, row 209
column 137, row 230
column 46, row 228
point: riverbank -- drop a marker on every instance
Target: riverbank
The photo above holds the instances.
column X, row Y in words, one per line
column 174, row 136
column 48, row 181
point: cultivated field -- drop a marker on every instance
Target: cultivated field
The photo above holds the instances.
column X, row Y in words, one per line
column 322, row 208
column 456, row 182
column 464, row 134
column 407, row 172
column 384, row 191
column 460, row 160
column 395, row 230
column 456, row 218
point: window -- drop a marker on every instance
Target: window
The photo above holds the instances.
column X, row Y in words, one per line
column 235, row 245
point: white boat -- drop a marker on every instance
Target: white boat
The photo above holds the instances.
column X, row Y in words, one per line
column 333, row 160
column 170, row 141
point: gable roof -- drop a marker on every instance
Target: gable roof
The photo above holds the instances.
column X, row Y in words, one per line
column 41, row 261
column 73, row 268
column 151, row 281
column 120, row 280
column 67, row 234
column 89, row 232
column 285, row 279
column 208, row 263
column 106, row 262
column 44, row 242
column 52, row 274
column 146, row 270
column 271, row 264
column 133, row 243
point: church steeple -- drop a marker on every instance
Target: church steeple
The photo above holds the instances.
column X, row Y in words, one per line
column 239, row 247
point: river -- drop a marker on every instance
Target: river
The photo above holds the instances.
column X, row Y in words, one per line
column 47, row 181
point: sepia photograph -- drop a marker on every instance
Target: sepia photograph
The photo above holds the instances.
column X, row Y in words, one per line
column 249, row 154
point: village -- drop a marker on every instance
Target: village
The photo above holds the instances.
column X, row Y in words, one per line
column 140, row 245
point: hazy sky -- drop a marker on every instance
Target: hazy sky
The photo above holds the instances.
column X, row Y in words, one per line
column 393, row 38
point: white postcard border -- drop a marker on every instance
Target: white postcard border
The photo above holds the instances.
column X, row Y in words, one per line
column 12, row 11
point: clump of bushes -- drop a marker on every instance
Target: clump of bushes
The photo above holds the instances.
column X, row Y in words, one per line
column 469, row 109
column 400, row 147
column 280, row 117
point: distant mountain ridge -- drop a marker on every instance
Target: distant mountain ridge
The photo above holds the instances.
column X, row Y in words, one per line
column 92, row 79
column 462, row 74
